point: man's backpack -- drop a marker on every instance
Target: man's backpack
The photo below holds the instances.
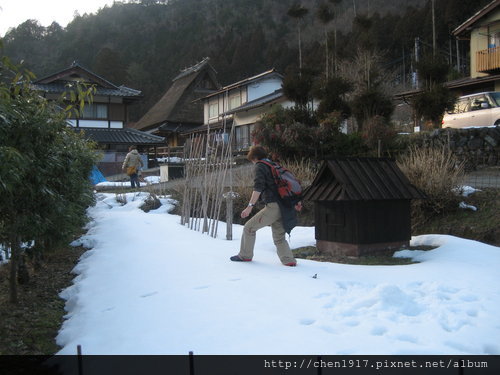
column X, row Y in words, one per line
column 287, row 185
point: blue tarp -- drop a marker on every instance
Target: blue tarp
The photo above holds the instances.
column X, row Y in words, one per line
column 96, row 176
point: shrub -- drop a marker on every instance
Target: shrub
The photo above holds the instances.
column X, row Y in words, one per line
column 45, row 169
column 438, row 173
column 378, row 129
column 282, row 134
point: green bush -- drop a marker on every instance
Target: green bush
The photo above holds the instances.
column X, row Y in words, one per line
column 45, row 169
column 282, row 134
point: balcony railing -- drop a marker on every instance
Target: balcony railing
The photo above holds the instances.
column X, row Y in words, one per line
column 488, row 60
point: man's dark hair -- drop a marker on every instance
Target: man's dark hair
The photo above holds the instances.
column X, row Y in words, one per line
column 257, row 152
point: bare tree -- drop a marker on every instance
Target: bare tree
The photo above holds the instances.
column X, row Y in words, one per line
column 298, row 12
column 326, row 14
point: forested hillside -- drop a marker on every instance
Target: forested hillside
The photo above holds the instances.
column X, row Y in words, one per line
column 144, row 44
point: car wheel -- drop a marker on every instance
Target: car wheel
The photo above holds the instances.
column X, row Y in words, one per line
column 497, row 123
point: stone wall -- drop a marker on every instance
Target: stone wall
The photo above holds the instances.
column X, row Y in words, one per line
column 478, row 147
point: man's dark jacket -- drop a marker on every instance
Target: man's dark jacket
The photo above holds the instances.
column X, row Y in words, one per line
column 264, row 184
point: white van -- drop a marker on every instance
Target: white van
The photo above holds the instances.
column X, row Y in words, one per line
column 482, row 109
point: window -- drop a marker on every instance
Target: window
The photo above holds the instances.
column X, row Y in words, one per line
column 234, row 101
column 95, row 111
column 496, row 98
column 479, row 102
column 243, row 135
column 462, row 106
column 494, row 40
column 213, row 110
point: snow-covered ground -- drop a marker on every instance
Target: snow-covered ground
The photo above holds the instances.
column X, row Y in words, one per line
column 147, row 181
column 151, row 286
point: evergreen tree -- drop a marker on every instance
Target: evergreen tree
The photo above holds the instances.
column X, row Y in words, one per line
column 435, row 98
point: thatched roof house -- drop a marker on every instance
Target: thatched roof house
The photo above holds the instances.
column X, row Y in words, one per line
column 179, row 110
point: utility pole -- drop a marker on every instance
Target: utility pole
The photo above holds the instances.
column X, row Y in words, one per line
column 433, row 31
column 417, row 52
column 404, row 68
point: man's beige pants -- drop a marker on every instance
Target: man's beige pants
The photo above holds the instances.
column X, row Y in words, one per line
column 269, row 215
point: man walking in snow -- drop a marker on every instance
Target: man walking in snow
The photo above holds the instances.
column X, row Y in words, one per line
column 131, row 166
column 272, row 214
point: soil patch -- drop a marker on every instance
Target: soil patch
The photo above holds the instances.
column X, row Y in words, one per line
column 31, row 325
column 382, row 258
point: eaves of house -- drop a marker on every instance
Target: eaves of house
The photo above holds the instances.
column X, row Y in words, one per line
column 259, row 102
column 60, row 82
column 471, row 84
column 463, row 31
column 123, row 136
column 246, row 82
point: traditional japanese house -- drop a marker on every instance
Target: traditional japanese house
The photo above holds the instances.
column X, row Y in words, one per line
column 179, row 111
column 104, row 120
column 362, row 205
column 240, row 106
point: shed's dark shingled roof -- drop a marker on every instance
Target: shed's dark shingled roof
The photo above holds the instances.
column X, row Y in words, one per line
column 125, row 136
column 361, row 179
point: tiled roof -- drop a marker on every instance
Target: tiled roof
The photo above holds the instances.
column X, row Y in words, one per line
column 126, row 136
column 361, row 179
column 214, row 126
column 177, row 128
column 59, row 88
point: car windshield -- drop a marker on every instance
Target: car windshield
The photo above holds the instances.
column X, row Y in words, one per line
column 496, row 98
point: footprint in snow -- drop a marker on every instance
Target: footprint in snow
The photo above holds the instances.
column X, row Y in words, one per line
column 322, row 295
column 148, row 294
column 378, row 331
column 352, row 323
column 469, row 298
column 201, row 287
column 307, row 322
column 472, row 313
column 328, row 329
column 407, row 338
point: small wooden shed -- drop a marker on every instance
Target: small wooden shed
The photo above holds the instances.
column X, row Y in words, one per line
column 362, row 205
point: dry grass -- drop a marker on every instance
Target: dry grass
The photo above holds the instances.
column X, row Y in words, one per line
column 438, row 173
column 303, row 169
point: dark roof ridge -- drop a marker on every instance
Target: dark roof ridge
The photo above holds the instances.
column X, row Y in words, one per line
column 194, row 68
column 75, row 65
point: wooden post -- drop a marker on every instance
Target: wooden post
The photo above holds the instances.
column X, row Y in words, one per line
column 230, row 196
column 80, row 359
